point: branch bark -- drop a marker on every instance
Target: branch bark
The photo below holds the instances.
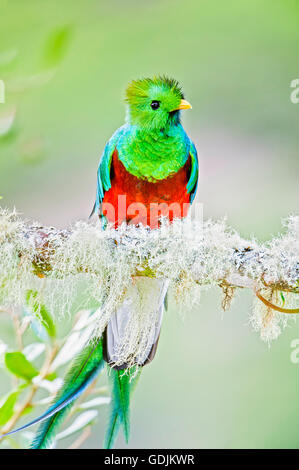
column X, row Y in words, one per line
column 43, row 238
column 217, row 257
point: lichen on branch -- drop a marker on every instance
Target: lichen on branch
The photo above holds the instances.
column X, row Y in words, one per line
column 190, row 254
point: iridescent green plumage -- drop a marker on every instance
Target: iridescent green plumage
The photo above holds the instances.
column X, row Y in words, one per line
column 120, row 406
column 152, row 146
column 141, row 93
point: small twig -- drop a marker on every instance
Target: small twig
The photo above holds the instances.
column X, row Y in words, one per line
column 100, row 391
column 269, row 304
column 17, row 326
column 48, row 361
column 228, row 292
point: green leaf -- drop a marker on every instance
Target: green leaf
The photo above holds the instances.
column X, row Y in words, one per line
column 41, row 312
column 282, row 298
column 7, row 409
column 18, row 365
column 51, row 376
column 56, row 45
column 28, row 410
column 47, row 321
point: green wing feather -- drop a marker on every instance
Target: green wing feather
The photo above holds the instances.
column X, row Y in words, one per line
column 103, row 175
column 193, row 180
column 122, row 386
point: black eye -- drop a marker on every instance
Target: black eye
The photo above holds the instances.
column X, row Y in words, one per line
column 155, row 104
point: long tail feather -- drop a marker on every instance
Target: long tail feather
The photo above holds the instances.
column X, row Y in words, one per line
column 122, row 385
column 83, row 371
column 88, row 365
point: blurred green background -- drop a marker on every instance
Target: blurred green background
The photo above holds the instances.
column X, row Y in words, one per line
column 65, row 65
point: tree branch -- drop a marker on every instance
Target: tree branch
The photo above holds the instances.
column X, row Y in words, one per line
column 187, row 253
column 240, row 264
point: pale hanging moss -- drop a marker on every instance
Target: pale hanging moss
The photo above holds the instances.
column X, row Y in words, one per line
column 269, row 322
column 103, row 264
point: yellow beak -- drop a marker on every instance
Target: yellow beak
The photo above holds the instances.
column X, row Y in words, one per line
column 184, row 104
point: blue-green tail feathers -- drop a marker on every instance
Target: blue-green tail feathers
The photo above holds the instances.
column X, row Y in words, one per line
column 82, row 372
column 122, row 384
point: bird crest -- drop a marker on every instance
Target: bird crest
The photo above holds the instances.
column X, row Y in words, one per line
column 154, row 103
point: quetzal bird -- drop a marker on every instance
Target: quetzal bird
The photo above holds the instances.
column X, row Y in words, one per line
column 148, row 161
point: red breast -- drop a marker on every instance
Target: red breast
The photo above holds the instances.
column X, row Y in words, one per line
column 136, row 201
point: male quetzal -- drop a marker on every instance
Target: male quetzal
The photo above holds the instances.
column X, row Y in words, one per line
column 149, row 168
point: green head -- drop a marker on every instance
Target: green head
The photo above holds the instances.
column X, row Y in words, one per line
column 155, row 103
